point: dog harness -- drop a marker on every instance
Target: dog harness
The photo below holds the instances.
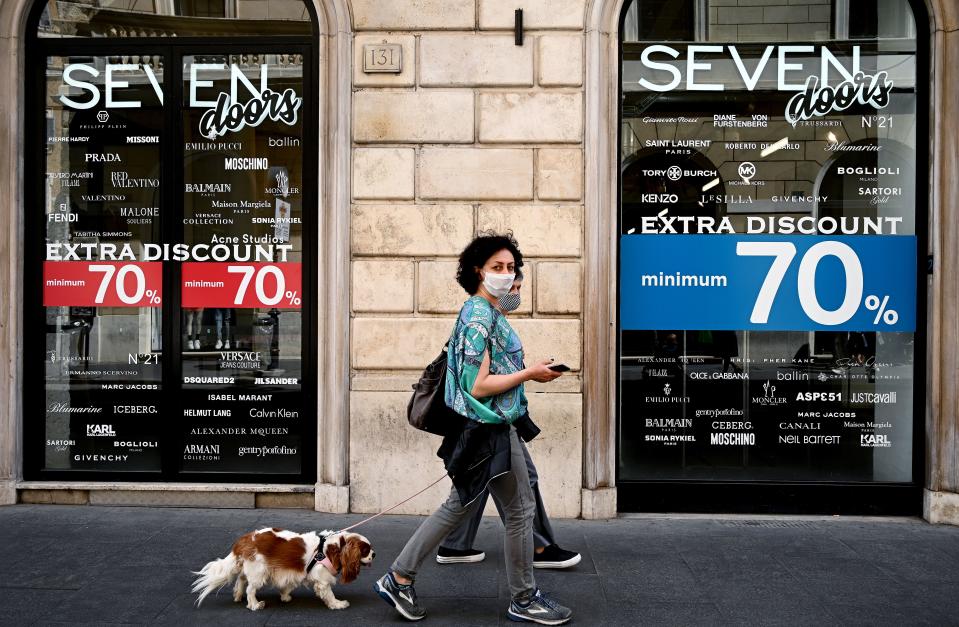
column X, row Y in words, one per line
column 325, row 561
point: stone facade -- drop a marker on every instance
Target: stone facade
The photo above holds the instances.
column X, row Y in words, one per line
column 495, row 133
column 476, row 132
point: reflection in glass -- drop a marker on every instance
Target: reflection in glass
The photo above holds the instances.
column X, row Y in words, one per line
column 243, row 191
column 103, row 363
column 174, row 18
column 733, row 405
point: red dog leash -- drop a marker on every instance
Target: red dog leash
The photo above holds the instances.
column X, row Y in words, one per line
column 389, row 509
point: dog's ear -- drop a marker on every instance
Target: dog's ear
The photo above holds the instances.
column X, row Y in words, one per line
column 350, row 560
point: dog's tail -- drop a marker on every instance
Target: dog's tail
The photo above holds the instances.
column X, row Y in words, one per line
column 215, row 575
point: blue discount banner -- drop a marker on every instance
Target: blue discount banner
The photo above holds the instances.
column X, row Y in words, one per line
column 768, row 282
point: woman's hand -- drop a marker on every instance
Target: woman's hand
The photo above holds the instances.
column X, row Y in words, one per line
column 541, row 373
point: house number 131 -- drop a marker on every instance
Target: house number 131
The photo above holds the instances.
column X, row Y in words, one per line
column 382, row 58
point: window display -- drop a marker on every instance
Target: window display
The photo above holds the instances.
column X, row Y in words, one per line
column 769, row 257
column 242, row 342
column 104, row 390
column 172, row 247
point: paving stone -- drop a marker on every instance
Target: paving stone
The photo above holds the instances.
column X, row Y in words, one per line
column 218, row 609
column 914, row 562
column 872, row 614
column 306, row 609
column 20, row 604
column 839, row 568
column 58, row 623
column 59, row 567
column 657, row 579
column 737, row 568
column 786, row 612
column 690, row 613
column 136, row 596
column 848, row 592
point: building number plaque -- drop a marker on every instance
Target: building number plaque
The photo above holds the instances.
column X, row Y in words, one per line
column 385, row 58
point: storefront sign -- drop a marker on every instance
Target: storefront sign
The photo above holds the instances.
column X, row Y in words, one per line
column 105, row 284
column 770, row 283
column 229, row 117
column 242, row 285
column 827, row 81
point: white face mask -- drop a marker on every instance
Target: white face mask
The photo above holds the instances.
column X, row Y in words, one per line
column 498, row 284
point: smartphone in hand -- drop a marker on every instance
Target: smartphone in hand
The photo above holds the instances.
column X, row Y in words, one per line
column 559, row 368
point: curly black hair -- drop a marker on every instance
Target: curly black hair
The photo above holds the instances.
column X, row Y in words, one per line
column 478, row 252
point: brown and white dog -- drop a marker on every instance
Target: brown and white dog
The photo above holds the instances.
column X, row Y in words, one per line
column 287, row 559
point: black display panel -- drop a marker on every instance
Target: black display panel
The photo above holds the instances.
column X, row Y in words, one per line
column 771, row 295
column 171, row 263
column 102, row 368
column 241, row 310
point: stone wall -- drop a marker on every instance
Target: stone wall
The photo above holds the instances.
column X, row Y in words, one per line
column 474, row 133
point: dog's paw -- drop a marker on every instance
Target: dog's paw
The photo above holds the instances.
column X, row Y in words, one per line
column 237, row 598
column 339, row 604
column 286, row 598
column 257, row 606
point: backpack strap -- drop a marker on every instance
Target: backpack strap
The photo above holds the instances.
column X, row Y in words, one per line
column 492, row 332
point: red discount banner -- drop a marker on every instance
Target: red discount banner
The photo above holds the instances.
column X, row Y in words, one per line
column 236, row 285
column 102, row 283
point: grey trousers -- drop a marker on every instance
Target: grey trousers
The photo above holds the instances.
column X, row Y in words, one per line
column 462, row 537
column 514, row 493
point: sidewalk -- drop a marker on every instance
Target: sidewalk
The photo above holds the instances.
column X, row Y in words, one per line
column 85, row 565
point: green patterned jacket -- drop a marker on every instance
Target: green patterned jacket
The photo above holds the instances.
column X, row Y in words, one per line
column 480, row 327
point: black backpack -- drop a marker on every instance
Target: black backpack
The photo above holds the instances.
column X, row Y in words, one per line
column 427, row 409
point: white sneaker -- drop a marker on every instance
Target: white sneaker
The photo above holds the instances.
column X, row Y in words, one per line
column 227, row 345
column 219, row 344
column 189, row 345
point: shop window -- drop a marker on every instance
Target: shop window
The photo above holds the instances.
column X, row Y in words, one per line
column 742, row 159
column 169, row 239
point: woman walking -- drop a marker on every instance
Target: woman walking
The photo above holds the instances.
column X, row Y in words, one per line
column 457, row 548
column 484, row 384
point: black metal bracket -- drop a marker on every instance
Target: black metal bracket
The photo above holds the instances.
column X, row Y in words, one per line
column 518, row 27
